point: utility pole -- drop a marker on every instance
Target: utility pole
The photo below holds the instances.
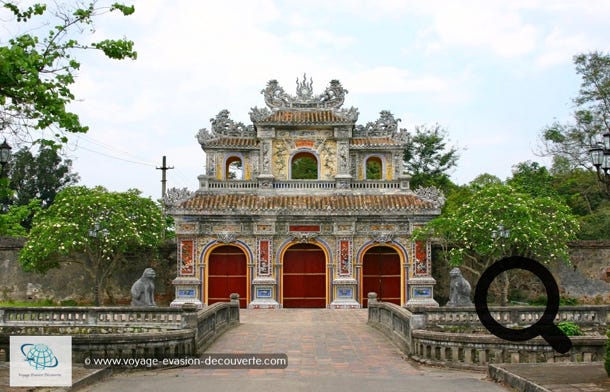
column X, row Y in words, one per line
column 164, row 168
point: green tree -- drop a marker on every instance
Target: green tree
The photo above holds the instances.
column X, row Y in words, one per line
column 568, row 143
column 93, row 227
column 38, row 67
column 540, row 228
column 428, row 158
column 533, row 179
column 304, row 168
column 373, row 169
column 40, row 176
column 14, row 221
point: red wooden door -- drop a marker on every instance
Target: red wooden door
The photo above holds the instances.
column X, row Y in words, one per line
column 381, row 274
column 227, row 273
column 304, row 273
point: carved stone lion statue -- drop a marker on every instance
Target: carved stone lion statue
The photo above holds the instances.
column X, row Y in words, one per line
column 459, row 289
column 143, row 289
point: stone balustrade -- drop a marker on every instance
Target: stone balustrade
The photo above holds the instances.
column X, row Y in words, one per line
column 412, row 330
column 232, row 184
column 211, row 184
column 169, row 318
column 511, row 316
column 479, row 350
column 99, row 332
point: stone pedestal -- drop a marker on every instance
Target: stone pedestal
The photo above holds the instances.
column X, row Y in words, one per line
column 344, row 294
column 264, row 294
column 420, row 292
column 187, row 292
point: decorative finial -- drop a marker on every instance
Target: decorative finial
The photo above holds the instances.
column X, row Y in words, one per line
column 305, row 89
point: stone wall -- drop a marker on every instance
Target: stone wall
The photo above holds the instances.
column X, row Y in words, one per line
column 70, row 282
column 586, row 278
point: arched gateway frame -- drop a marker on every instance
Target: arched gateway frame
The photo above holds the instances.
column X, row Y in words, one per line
column 382, row 272
column 226, row 271
column 304, row 282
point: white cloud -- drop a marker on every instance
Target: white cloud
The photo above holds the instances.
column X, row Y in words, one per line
column 495, row 26
column 388, row 79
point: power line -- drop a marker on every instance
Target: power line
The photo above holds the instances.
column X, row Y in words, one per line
column 117, row 158
column 111, row 148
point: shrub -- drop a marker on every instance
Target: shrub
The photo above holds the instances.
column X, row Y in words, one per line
column 569, row 328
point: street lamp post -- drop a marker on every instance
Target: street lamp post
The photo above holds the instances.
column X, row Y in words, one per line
column 600, row 157
column 501, row 232
column 97, row 232
column 5, row 154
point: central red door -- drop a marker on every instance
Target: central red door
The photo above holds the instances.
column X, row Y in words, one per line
column 381, row 274
column 304, row 277
column 227, row 273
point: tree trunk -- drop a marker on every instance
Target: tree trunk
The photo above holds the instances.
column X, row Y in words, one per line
column 504, row 286
column 96, row 289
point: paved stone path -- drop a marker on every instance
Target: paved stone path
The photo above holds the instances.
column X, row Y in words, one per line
column 328, row 350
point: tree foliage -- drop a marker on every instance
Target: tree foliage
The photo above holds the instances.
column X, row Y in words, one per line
column 428, row 158
column 93, row 227
column 304, row 168
column 39, row 176
column 38, row 67
column 533, row 179
column 14, row 222
column 569, row 143
column 540, row 228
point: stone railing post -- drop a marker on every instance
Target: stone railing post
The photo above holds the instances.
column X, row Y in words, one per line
column 234, row 297
column 189, row 315
column 92, row 317
column 234, row 311
column 372, row 297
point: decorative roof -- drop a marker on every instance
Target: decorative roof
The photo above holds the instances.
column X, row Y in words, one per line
column 232, row 142
column 374, row 141
column 221, row 203
column 223, row 128
column 386, row 126
column 302, row 117
column 304, row 107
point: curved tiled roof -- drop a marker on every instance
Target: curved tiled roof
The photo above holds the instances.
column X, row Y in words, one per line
column 232, row 142
column 305, row 117
column 374, row 141
column 222, row 202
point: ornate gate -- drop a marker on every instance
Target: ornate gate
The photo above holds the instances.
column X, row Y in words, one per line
column 304, row 277
column 227, row 273
column 381, row 274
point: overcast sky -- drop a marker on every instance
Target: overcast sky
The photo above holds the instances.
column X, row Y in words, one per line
column 493, row 73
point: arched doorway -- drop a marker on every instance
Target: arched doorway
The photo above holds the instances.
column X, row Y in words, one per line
column 234, row 169
column 381, row 274
column 304, row 277
column 304, row 166
column 227, row 273
column 374, row 168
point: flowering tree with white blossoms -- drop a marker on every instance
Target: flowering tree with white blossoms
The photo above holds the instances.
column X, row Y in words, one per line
column 539, row 228
column 93, row 227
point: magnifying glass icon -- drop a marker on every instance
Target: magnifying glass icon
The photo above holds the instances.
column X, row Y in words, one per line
column 544, row 326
